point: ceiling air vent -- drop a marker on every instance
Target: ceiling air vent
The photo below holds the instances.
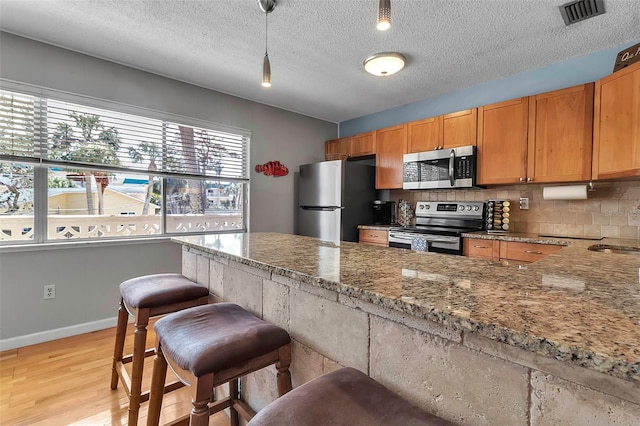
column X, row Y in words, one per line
column 580, row 10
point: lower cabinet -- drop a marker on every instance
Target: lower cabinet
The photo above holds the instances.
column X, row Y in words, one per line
column 481, row 249
column 525, row 252
column 374, row 237
column 506, row 250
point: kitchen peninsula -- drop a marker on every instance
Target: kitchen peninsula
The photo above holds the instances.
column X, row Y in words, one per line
column 473, row 341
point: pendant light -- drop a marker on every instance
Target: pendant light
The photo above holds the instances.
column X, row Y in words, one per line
column 384, row 15
column 267, row 7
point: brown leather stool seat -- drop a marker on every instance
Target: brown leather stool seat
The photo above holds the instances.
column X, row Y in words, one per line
column 143, row 298
column 153, row 291
column 210, row 345
column 345, row 397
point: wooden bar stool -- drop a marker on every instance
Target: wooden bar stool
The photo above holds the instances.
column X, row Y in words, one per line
column 210, row 345
column 143, row 298
column 345, row 397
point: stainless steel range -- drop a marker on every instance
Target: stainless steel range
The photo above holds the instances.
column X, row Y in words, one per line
column 440, row 225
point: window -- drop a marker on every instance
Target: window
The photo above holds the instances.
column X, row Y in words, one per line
column 73, row 171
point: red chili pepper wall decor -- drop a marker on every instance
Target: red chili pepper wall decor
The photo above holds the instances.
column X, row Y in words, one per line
column 272, row 168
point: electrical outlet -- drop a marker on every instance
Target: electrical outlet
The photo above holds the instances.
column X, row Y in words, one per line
column 524, row 203
column 50, row 291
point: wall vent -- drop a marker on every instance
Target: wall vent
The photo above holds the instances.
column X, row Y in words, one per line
column 580, row 10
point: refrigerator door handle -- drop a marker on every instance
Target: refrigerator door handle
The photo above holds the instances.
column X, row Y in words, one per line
column 329, row 208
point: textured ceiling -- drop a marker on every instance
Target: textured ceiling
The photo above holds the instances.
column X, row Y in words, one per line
column 317, row 47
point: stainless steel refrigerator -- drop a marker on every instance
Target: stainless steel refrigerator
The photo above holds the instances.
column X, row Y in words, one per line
column 335, row 197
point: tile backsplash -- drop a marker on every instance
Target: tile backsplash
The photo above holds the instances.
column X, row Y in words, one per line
column 611, row 210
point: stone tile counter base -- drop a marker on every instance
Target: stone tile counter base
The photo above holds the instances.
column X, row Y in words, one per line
column 453, row 373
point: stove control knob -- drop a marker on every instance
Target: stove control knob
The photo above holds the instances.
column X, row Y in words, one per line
column 461, row 207
column 427, row 206
column 476, row 208
column 468, row 208
column 421, row 206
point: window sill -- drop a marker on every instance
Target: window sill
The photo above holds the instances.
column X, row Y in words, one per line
column 55, row 245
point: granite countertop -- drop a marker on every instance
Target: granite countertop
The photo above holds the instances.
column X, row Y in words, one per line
column 575, row 305
column 377, row 227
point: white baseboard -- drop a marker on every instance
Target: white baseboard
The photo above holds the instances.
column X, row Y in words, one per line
column 58, row 333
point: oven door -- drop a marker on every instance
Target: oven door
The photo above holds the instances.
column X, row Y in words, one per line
column 436, row 243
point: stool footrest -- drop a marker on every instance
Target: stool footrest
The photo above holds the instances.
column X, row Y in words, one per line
column 243, row 409
column 144, row 396
column 126, row 359
column 219, row 405
column 214, row 408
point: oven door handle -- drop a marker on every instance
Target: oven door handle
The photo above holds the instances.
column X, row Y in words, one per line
column 452, row 161
column 405, row 237
column 429, row 239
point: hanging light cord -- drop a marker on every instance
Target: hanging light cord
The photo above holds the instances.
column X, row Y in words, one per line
column 266, row 31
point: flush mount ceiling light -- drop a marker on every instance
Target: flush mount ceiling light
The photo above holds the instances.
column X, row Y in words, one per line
column 267, row 7
column 384, row 15
column 385, row 63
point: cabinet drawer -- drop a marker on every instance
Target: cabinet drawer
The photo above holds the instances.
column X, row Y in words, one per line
column 374, row 237
column 526, row 252
column 481, row 248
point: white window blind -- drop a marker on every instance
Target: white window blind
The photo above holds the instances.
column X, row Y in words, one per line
column 54, row 131
column 16, row 125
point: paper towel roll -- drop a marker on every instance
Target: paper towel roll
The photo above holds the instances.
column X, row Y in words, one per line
column 568, row 192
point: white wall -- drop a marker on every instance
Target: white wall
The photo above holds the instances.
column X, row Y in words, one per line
column 290, row 138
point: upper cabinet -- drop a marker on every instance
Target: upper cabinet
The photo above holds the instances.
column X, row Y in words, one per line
column 444, row 131
column 391, row 146
column 351, row 146
column 425, row 135
column 362, row 144
column 589, row 131
column 560, row 135
column 541, row 138
column 460, row 128
column 502, row 142
column 337, row 148
column 616, row 130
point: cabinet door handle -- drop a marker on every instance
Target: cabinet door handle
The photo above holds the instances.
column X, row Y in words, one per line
column 529, row 179
column 480, row 247
column 533, row 252
column 373, row 235
column 521, row 179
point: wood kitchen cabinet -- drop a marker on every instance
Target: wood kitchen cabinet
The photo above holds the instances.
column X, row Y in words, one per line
column 525, row 252
column 391, row 145
column 616, row 130
column 336, row 148
column 359, row 145
column 496, row 250
column 480, row 248
column 460, row 128
column 374, row 237
column 502, row 142
column 424, row 135
column 444, row 131
column 560, row 135
column 362, row 144
column 541, row 138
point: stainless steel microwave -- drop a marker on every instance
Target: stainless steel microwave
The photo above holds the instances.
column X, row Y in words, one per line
column 440, row 169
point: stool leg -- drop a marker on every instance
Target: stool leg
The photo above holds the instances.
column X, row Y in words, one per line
column 199, row 414
column 233, row 395
column 158, row 378
column 201, row 394
column 284, row 375
column 121, row 332
column 139, row 348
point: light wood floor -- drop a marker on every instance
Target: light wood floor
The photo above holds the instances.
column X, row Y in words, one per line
column 67, row 382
